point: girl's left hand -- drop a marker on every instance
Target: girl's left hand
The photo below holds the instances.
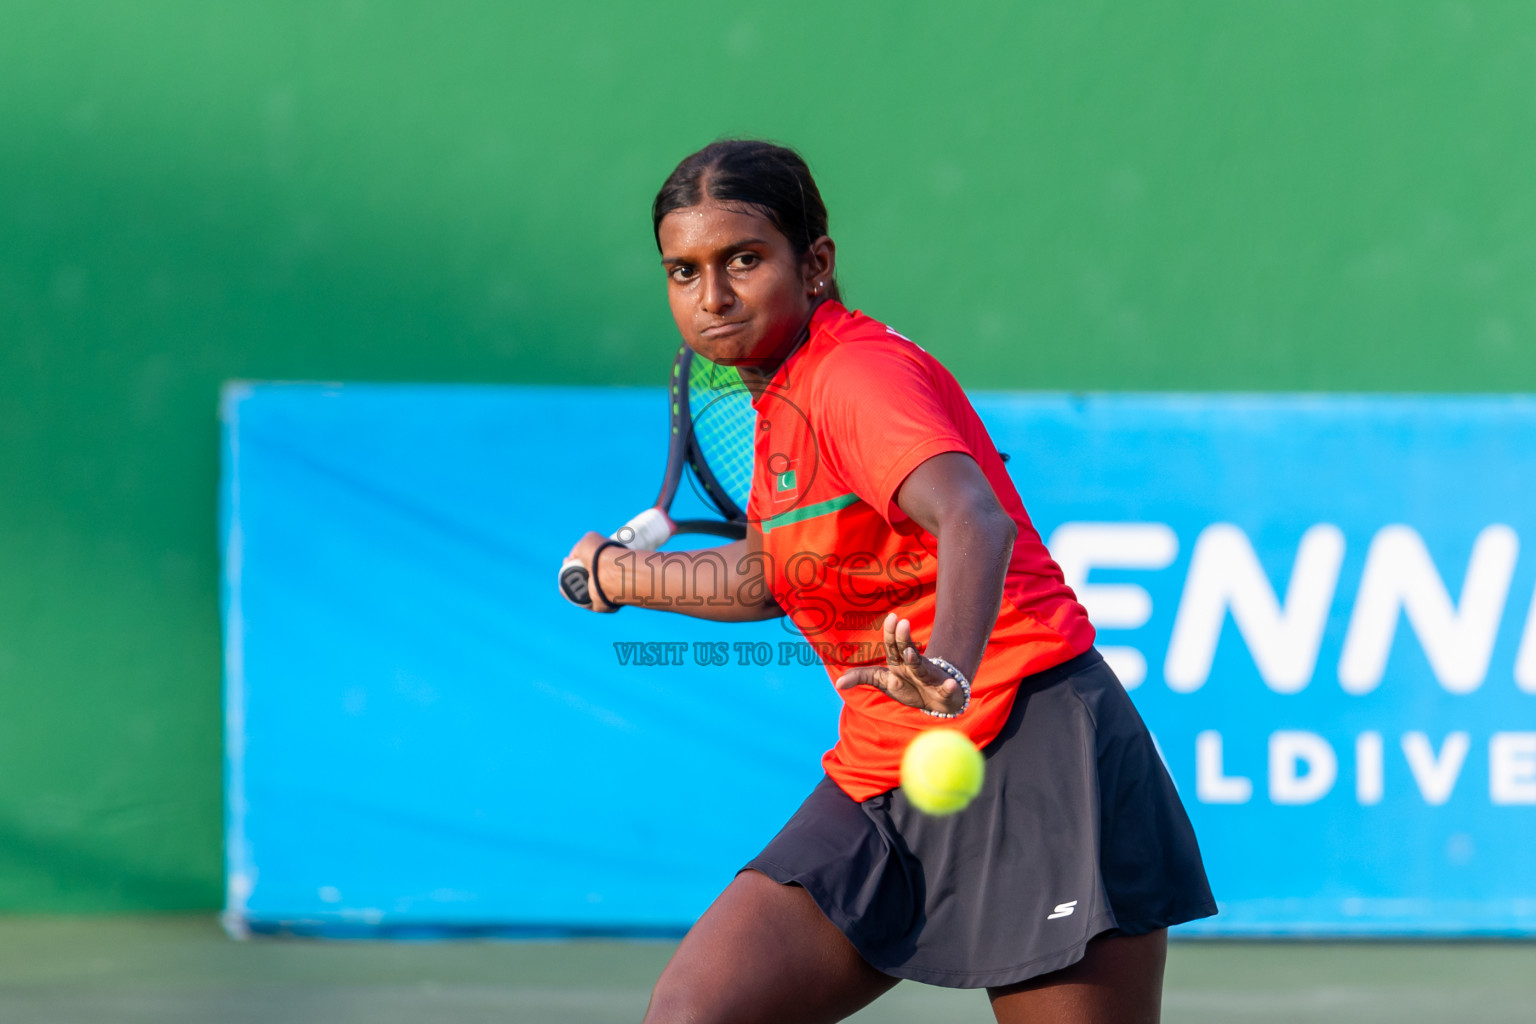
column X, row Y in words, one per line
column 907, row 676
column 583, row 552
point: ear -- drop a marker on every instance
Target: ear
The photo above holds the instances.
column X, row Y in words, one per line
column 820, row 267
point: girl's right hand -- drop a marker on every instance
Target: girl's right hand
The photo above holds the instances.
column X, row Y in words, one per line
column 907, row 676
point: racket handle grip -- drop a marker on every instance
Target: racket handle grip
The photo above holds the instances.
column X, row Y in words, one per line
column 646, row 532
column 574, row 583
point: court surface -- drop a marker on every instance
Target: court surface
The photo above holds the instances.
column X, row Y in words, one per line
column 177, row 970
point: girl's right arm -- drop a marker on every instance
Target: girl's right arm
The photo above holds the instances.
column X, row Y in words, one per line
column 728, row 583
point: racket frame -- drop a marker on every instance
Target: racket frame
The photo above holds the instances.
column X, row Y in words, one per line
column 644, row 532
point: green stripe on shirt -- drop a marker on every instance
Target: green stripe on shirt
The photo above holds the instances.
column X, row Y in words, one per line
column 800, row 515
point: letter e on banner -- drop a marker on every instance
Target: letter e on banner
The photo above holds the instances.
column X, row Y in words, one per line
column 1080, row 547
column 1512, row 768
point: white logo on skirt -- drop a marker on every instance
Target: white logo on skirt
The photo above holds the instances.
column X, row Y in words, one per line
column 1062, row 910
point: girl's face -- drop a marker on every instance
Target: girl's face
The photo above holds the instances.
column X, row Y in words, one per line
column 739, row 292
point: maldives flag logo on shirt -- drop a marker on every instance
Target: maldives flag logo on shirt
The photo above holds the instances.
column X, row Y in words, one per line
column 785, row 486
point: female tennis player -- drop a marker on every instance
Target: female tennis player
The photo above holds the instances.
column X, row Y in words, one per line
column 887, row 528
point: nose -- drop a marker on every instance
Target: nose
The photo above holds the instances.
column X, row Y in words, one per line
column 717, row 296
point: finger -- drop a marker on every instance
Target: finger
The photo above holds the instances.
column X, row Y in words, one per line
column 866, row 676
column 585, row 546
column 598, row 604
column 909, row 653
column 941, row 696
column 926, row 677
column 892, row 652
column 909, row 686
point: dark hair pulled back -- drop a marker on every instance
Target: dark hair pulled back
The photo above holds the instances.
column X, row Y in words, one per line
column 772, row 179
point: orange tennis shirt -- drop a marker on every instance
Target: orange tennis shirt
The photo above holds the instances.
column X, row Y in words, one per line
column 847, row 417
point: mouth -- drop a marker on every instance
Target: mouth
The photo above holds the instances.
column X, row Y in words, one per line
column 723, row 330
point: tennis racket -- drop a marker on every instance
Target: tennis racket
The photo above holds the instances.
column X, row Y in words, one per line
column 711, row 432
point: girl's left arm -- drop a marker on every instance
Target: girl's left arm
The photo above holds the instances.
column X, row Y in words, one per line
column 950, row 497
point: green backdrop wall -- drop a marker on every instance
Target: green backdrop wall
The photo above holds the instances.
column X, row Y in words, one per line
column 1048, row 195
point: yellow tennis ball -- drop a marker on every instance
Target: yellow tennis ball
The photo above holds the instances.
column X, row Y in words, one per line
column 941, row 771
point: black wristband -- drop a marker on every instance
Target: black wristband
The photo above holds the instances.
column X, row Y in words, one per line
column 597, row 588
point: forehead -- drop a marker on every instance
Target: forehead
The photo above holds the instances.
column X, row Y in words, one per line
column 710, row 226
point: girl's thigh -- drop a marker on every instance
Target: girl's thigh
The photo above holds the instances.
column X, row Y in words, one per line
column 1119, row 979
column 763, row 952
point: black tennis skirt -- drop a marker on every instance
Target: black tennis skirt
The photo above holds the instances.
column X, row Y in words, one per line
column 1078, row 831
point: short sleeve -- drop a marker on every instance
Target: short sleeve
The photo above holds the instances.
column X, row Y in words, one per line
column 885, row 414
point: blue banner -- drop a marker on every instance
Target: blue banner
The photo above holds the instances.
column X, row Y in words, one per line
column 1319, row 604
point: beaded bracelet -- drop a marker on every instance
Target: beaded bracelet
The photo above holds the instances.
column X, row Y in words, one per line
column 957, row 676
